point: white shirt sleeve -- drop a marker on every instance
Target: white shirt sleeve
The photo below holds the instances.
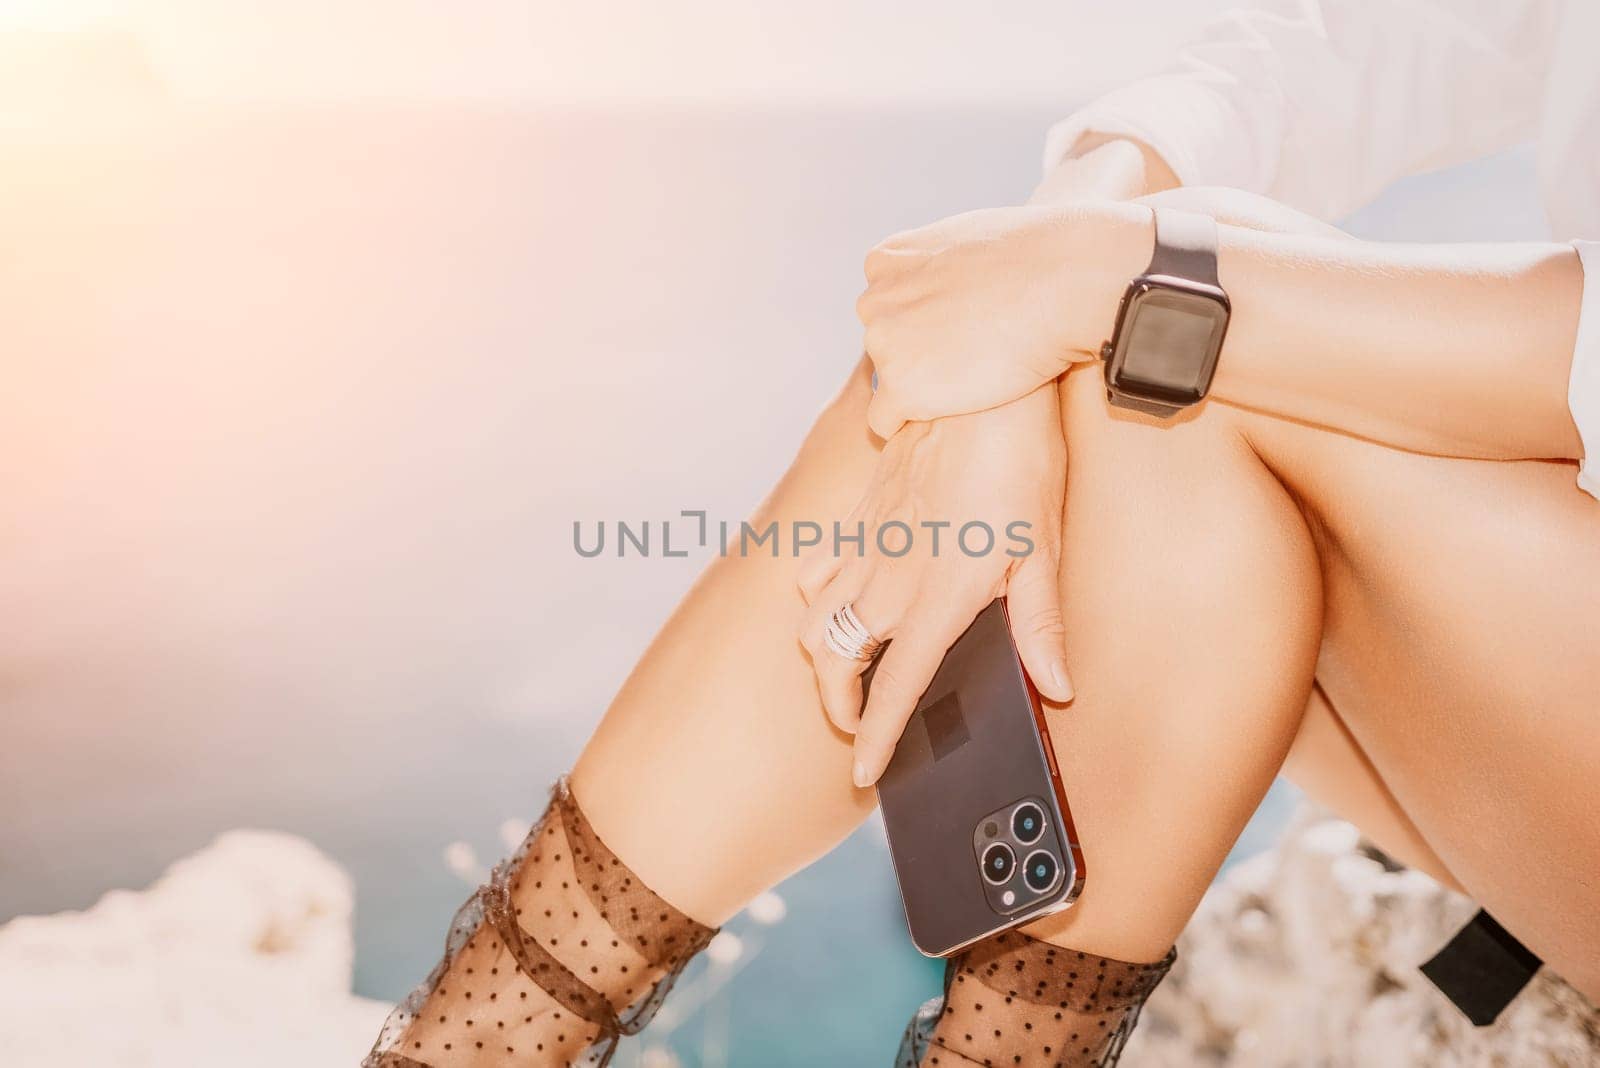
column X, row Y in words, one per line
column 1322, row 103
column 1583, row 389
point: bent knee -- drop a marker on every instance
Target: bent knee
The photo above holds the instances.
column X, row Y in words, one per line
column 1187, row 498
column 1090, row 421
column 1181, row 551
column 842, row 423
column 835, row 460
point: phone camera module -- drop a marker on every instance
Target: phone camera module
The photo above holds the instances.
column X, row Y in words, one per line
column 998, row 863
column 1027, row 823
column 1040, row 871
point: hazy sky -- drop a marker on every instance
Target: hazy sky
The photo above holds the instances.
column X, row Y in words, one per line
column 717, row 50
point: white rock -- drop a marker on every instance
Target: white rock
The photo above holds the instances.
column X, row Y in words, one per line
column 239, row 955
column 767, row 908
column 725, row 947
column 1308, row 954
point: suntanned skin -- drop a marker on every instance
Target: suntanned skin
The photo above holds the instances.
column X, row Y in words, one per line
column 1454, row 349
column 728, row 738
column 1325, row 760
column 1445, row 606
column 1449, row 638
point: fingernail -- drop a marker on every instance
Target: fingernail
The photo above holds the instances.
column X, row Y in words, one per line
column 1059, row 670
column 860, row 775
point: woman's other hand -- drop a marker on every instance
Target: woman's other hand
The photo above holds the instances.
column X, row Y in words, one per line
column 982, row 308
column 978, row 500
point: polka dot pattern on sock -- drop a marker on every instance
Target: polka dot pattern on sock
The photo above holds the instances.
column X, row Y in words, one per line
column 1014, row 1000
column 561, row 953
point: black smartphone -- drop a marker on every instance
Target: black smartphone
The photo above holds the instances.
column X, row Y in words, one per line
column 976, row 813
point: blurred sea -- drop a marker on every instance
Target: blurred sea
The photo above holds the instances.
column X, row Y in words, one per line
column 299, row 408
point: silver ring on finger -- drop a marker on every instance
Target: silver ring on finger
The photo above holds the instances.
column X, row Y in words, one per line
column 845, row 635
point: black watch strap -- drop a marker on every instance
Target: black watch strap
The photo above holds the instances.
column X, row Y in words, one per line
column 1185, row 247
column 1155, row 408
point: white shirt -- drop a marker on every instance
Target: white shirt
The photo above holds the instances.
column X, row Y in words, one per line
column 1322, row 104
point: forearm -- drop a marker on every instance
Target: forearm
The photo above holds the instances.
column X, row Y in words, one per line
column 1459, row 350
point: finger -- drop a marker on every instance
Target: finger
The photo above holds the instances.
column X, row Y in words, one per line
column 1033, row 604
column 871, row 302
column 817, row 570
column 902, row 676
column 878, row 263
column 838, row 676
column 839, row 686
column 884, row 417
column 836, row 688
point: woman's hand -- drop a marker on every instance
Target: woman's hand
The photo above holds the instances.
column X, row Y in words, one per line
column 983, row 308
column 978, row 500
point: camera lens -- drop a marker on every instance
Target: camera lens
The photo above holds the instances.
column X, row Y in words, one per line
column 1027, row 823
column 1040, row 871
column 998, row 863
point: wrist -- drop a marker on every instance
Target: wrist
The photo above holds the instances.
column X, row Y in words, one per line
column 1110, row 246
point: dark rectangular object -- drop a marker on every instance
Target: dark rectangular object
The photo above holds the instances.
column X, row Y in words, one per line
column 974, row 756
column 947, row 729
column 1482, row 968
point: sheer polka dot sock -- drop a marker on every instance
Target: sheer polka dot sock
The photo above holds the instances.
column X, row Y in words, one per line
column 562, row 953
column 1014, row 1000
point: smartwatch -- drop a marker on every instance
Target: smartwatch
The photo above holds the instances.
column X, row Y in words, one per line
column 1170, row 324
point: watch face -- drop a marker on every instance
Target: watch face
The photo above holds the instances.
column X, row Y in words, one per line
column 1167, row 348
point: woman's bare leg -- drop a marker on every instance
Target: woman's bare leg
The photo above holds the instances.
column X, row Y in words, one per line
column 718, row 735
column 1167, row 750
column 1457, row 653
column 1193, row 611
column 1327, row 763
column 1459, row 649
column 1193, row 603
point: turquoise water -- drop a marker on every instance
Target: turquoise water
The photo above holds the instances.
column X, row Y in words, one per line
column 833, row 983
column 837, row 981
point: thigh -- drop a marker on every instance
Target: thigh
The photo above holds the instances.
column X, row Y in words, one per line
column 1172, row 542
column 1331, row 767
column 718, row 735
column 1462, row 604
column 1191, row 597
